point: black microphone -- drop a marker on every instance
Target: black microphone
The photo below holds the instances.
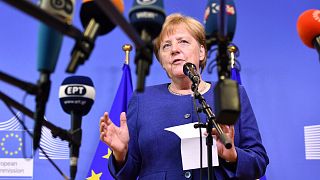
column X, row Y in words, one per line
column 147, row 18
column 226, row 91
column 211, row 21
column 49, row 45
column 190, row 70
column 76, row 95
column 95, row 23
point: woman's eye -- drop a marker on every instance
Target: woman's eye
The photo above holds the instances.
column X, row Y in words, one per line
column 184, row 42
column 165, row 46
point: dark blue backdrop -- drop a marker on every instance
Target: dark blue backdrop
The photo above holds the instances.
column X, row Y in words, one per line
column 281, row 75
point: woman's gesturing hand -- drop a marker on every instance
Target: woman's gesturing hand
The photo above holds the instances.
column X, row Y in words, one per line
column 117, row 138
column 227, row 154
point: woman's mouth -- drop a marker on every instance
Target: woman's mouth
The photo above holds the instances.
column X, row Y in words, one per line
column 178, row 61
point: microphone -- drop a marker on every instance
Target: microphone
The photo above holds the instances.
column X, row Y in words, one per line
column 76, row 96
column 95, row 23
column 190, row 70
column 226, row 91
column 49, row 45
column 308, row 27
column 50, row 40
column 211, row 21
column 147, row 18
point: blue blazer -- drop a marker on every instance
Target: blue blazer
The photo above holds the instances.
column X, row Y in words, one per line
column 154, row 153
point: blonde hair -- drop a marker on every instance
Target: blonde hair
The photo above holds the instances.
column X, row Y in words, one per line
column 193, row 26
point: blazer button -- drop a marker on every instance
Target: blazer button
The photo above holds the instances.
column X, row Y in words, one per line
column 187, row 116
column 187, row 174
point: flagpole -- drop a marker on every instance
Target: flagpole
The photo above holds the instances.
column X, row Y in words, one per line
column 127, row 48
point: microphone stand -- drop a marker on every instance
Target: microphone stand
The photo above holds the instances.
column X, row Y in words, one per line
column 209, row 125
column 76, row 134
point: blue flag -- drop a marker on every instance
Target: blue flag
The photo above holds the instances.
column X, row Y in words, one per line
column 235, row 75
column 99, row 165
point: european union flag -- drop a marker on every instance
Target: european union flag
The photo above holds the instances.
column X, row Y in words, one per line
column 99, row 166
column 235, row 75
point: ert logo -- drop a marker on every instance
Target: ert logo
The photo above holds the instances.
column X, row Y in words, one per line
column 75, row 90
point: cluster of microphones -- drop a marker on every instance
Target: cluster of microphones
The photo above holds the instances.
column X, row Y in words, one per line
column 77, row 93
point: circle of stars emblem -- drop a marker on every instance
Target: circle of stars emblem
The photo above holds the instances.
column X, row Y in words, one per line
column 10, row 139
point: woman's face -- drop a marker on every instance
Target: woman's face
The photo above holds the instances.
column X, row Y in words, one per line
column 178, row 48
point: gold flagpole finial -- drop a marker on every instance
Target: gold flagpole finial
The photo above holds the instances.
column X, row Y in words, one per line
column 232, row 50
column 127, row 48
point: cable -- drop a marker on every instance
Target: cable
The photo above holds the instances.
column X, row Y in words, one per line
column 212, row 64
column 31, row 135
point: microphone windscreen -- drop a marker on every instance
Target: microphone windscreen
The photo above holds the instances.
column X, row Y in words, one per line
column 189, row 67
column 89, row 9
column 211, row 17
column 148, row 15
column 50, row 40
column 77, row 94
column 49, row 46
column 308, row 26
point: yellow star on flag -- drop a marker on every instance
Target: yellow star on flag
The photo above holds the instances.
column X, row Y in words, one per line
column 107, row 155
column 94, row 176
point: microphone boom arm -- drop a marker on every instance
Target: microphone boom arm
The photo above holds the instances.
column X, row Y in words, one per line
column 55, row 130
column 26, row 86
column 45, row 17
column 34, row 90
column 209, row 125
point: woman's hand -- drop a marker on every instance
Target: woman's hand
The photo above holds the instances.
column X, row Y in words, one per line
column 229, row 155
column 117, row 138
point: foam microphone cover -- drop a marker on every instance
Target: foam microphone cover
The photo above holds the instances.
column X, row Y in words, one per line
column 50, row 40
column 147, row 15
column 211, row 17
column 90, row 9
column 190, row 70
column 308, row 26
column 77, row 94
